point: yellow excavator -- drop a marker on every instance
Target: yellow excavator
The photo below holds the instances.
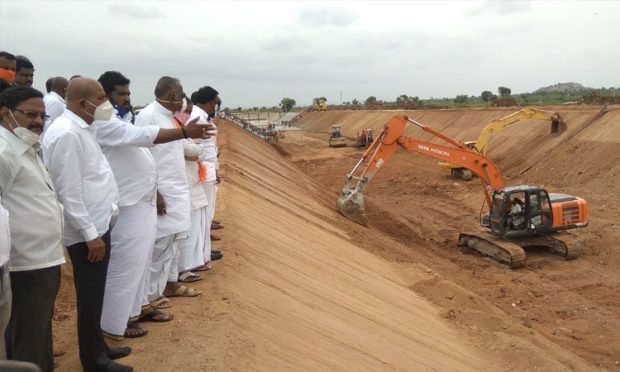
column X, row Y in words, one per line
column 319, row 106
column 558, row 126
column 335, row 139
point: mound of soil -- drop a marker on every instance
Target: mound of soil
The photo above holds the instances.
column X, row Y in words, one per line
column 504, row 102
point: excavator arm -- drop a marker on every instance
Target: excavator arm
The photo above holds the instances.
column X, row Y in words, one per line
column 351, row 202
column 481, row 145
column 557, row 125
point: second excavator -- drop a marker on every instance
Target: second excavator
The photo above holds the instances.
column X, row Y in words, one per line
column 558, row 126
column 518, row 217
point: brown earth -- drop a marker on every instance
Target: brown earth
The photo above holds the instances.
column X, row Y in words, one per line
column 302, row 288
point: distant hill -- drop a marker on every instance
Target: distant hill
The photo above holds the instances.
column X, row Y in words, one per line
column 562, row 88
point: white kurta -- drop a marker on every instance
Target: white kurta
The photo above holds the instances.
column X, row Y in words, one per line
column 133, row 236
column 192, row 250
column 54, row 107
column 172, row 178
column 172, row 185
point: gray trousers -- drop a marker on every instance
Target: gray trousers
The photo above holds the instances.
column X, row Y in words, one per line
column 30, row 329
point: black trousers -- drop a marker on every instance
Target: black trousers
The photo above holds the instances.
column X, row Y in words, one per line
column 30, row 327
column 89, row 279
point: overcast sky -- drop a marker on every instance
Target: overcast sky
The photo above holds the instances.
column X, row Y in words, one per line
column 255, row 53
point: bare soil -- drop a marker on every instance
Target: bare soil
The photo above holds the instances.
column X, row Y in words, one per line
column 302, row 288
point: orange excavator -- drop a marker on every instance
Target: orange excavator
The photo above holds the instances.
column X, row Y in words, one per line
column 364, row 138
column 518, row 217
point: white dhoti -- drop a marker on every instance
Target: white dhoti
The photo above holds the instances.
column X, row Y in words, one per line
column 192, row 249
column 164, row 267
column 132, row 240
column 210, row 188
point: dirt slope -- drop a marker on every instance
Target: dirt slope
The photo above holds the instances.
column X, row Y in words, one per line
column 292, row 292
column 570, row 304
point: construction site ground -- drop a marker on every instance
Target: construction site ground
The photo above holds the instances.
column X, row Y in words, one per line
column 301, row 288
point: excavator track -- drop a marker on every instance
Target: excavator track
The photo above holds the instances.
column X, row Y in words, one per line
column 512, row 252
column 500, row 250
column 553, row 245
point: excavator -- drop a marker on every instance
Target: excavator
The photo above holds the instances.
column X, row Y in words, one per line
column 319, row 105
column 363, row 138
column 518, row 217
column 558, row 126
column 335, row 139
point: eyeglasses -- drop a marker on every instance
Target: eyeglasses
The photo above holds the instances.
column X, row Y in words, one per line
column 33, row 115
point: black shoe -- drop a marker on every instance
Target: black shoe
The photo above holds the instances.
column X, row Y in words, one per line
column 215, row 252
column 118, row 352
column 113, row 367
column 215, row 257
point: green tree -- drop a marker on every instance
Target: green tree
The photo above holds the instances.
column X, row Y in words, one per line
column 287, row 104
column 503, row 91
column 317, row 99
column 403, row 98
column 461, row 98
column 355, row 101
column 487, row 96
column 370, row 100
column 415, row 100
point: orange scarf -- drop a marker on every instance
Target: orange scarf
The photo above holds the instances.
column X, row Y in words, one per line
column 179, row 122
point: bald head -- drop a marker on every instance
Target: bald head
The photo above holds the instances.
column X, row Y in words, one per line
column 83, row 97
column 82, row 88
column 59, row 85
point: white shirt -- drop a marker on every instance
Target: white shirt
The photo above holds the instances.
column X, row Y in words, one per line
column 5, row 235
column 134, row 168
column 54, row 106
column 209, row 145
column 36, row 215
column 198, row 198
column 171, row 175
column 82, row 176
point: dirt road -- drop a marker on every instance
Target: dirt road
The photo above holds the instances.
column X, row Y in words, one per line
column 301, row 288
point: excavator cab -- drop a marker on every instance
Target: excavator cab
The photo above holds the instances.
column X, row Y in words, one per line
column 520, row 211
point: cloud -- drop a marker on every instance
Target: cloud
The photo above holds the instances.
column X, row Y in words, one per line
column 323, row 16
column 501, row 8
column 135, row 11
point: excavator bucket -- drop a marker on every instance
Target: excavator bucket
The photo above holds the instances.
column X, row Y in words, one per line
column 558, row 126
column 351, row 205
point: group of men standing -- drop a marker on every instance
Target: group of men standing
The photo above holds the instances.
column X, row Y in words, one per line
column 131, row 197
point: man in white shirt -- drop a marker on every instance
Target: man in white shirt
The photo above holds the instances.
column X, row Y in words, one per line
column 55, row 99
column 133, row 236
column 173, row 203
column 36, row 227
column 206, row 103
column 5, row 281
column 88, row 192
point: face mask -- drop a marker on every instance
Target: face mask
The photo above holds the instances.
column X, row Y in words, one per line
column 184, row 105
column 102, row 112
column 7, row 75
column 29, row 137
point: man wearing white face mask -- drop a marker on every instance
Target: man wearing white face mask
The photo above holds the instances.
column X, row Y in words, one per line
column 88, row 192
column 133, row 236
column 173, row 196
column 36, row 228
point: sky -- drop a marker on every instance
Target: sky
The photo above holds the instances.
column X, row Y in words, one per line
column 257, row 52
